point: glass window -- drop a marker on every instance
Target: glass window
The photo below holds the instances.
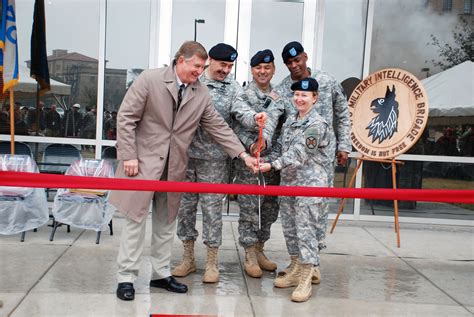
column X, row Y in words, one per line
column 344, row 35
column 420, row 175
column 72, row 43
column 467, row 6
column 447, row 5
column 401, row 33
column 52, row 158
column 342, row 178
column 445, row 135
column 449, row 136
column 208, row 29
column 127, row 52
column 274, row 24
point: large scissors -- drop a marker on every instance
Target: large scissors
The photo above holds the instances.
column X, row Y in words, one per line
column 260, row 182
column 260, row 177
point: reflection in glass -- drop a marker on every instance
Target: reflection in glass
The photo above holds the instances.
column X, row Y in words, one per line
column 419, row 175
column 449, row 136
column 123, row 62
column 401, row 31
column 344, row 35
column 274, row 24
column 209, row 33
column 73, row 66
column 342, row 178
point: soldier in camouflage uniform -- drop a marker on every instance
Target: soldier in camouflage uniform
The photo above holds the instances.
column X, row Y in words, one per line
column 332, row 106
column 303, row 153
column 251, row 237
column 208, row 163
column 332, row 102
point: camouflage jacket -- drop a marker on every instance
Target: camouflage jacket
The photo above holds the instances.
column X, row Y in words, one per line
column 332, row 103
column 260, row 102
column 228, row 99
column 303, row 152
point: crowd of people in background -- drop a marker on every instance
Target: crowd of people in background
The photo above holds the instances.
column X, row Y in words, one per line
column 54, row 121
column 457, row 141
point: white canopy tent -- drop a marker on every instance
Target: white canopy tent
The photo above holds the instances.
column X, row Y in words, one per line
column 27, row 85
column 451, row 93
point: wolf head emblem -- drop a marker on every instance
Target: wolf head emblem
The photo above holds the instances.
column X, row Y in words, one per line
column 385, row 123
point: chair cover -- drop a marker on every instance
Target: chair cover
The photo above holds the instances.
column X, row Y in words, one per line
column 85, row 208
column 21, row 208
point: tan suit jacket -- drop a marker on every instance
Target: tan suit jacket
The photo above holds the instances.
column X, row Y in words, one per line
column 145, row 131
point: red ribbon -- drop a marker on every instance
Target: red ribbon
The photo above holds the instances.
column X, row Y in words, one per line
column 259, row 145
column 20, row 179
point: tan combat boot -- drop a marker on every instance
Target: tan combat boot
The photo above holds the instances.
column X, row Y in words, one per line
column 293, row 258
column 316, row 279
column 303, row 292
column 251, row 264
column 263, row 261
column 291, row 278
column 211, row 275
column 188, row 265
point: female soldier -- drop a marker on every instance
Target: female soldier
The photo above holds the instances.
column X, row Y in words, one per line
column 302, row 154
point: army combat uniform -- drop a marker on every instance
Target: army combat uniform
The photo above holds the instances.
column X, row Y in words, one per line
column 331, row 105
column 249, row 232
column 304, row 154
column 208, row 163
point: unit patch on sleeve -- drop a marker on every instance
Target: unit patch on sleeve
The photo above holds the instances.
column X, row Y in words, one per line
column 311, row 139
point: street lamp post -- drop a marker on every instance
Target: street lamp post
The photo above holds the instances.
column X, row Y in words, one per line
column 196, row 21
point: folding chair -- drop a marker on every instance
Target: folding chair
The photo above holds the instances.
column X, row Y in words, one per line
column 85, row 208
column 58, row 157
column 56, row 160
column 109, row 152
column 21, row 208
column 20, row 148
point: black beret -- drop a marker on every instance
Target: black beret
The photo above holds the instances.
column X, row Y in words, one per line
column 307, row 84
column 290, row 50
column 265, row 56
column 223, row 52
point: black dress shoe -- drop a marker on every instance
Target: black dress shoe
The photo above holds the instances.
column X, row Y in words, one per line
column 170, row 284
column 125, row 291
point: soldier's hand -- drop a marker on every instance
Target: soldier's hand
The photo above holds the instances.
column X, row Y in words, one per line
column 261, row 119
column 251, row 163
column 342, row 158
column 265, row 167
column 130, row 167
column 254, row 148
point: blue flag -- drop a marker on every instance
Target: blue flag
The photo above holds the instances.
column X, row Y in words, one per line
column 8, row 45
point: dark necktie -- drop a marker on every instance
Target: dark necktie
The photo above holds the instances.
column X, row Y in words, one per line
column 180, row 95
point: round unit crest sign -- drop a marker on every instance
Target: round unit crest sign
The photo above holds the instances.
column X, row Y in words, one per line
column 389, row 111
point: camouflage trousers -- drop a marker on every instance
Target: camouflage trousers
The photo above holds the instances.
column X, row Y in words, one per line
column 304, row 228
column 211, row 204
column 249, row 232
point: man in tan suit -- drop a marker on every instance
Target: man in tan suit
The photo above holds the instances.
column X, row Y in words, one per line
column 156, row 123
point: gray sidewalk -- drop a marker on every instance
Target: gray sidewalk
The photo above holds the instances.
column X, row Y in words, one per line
column 363, row 274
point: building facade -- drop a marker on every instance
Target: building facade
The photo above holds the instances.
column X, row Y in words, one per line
column 347, row 38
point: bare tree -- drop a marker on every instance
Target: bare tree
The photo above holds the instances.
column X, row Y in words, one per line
column 460, row 51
